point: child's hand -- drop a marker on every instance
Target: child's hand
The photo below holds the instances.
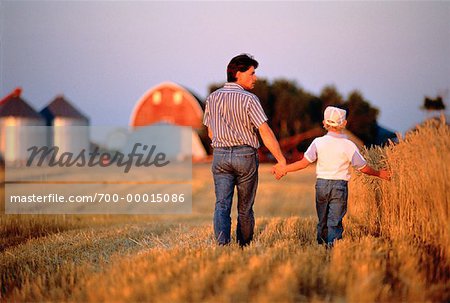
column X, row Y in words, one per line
column 279, row 171
column 382, row 173
column 385, row 174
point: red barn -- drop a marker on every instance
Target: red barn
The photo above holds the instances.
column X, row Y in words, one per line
column 171, row 103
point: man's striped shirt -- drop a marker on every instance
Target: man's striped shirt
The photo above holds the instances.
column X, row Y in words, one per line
column 233, row 115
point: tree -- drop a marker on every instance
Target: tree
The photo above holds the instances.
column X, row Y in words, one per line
column 361, row 117
column 436, row 104
column 292, row 110
column 263, row 90
column 330, row 96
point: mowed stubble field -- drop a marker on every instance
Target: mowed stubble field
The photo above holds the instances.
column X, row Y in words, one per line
column 395, row 246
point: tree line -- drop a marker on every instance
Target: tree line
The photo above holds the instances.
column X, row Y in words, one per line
column 291, row 110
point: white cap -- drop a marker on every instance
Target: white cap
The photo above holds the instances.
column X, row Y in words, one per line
column 334, row 116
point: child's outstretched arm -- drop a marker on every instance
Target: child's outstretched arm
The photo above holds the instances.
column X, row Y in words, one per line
column 281, row 170
column 382, row 173
column 301, row 164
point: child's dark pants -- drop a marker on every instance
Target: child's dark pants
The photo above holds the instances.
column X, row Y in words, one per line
column 331, row 206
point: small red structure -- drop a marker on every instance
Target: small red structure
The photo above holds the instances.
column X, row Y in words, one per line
column 14, row 94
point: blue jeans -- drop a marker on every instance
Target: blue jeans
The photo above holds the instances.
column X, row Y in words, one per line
column 331, row 206
column 235, row 167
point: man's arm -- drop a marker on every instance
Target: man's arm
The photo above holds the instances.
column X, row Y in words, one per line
column 270, row 141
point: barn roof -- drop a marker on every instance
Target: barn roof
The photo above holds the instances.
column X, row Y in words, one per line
column 60, row 107
column 160, row 104
column 200, row 101
column 14, row 105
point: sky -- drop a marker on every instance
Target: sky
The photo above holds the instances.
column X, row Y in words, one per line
column 103, row 56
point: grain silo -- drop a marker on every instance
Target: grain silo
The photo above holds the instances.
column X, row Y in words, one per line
column 69, row 127
column 169, row 103
column 16, row 135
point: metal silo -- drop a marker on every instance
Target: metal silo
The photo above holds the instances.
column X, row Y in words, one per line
column 16, row 135
column 70, row 132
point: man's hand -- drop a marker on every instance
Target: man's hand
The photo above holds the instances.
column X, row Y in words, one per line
column 279, row 170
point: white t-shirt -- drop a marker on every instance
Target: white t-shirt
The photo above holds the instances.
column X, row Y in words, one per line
column 334, row 154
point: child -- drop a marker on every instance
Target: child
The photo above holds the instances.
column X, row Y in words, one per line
column 334, row 154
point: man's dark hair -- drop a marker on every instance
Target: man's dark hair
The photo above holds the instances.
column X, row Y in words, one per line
column 240, row 63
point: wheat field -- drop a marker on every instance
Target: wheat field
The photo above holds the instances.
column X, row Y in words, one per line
column 395, row 248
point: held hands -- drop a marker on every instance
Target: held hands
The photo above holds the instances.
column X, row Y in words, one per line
column 279, row 170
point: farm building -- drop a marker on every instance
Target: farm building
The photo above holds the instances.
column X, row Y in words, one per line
column 16, row 117
column 169, row 103
column 69, row 132
column 61, row 112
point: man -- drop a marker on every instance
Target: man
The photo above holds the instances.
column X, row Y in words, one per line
column 233, row 116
